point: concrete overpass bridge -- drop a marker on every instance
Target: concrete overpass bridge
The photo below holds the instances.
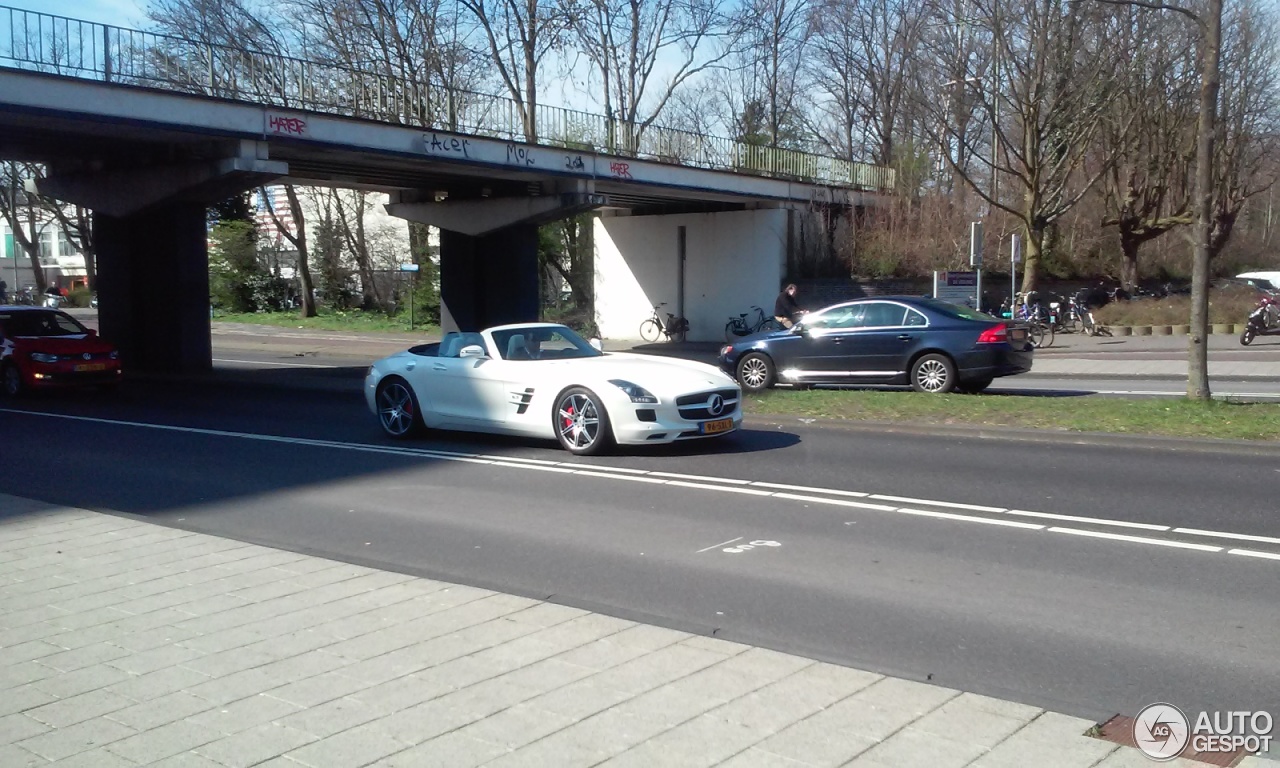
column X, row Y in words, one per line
column 147, row 130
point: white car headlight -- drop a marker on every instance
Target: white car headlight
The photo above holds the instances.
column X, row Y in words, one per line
column 637, row 393
column 44, row 357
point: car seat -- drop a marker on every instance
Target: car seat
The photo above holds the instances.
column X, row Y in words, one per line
column 517, row 349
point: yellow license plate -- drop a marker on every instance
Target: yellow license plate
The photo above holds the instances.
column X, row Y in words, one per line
column 91, row 367
column 715, row 427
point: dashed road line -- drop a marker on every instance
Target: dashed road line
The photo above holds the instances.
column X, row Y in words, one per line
column 1137, row 539
column 721, row 544
column 828, row 496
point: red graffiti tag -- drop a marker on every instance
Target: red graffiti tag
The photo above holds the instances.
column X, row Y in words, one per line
column 290, row 126
column 621, row 170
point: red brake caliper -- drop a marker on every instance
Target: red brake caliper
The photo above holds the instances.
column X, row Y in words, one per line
column 568, row 421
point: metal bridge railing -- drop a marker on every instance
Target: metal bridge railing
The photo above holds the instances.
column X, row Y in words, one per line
column 42, row 42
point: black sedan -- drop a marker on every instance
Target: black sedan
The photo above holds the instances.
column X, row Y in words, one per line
column 931, row 345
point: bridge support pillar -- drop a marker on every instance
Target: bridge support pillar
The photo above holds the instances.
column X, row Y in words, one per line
column 489, row 279
column 153, row 287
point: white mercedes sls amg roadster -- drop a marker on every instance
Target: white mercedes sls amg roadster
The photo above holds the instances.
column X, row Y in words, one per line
column 544, row 380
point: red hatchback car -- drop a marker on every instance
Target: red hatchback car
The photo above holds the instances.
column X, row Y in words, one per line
column 43, row 348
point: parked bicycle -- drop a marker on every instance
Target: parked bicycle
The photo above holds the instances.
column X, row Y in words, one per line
column 674, row 328
column 738, row 327
column 1040, row 329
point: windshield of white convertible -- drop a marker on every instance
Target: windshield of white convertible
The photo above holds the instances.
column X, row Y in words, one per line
column 546, row 342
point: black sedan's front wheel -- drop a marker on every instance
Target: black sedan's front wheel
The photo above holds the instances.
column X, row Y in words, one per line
column 398, row 408
column 934, row 374
column 756, row 372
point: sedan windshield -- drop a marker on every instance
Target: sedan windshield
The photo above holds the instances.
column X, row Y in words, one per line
column 40, row 323
column 542, row 342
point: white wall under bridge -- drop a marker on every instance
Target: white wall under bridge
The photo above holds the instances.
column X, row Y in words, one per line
column 733, row 260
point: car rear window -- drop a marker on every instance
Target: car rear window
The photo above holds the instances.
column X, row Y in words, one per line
column 955, row 310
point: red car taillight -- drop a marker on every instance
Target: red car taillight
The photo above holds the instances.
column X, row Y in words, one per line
column 996, row 334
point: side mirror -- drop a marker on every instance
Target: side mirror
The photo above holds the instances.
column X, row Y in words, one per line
column 596, row 345
column 798, row 329
column 471, row 350
column 92, row 332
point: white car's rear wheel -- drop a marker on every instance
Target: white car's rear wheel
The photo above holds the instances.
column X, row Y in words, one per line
column 398, row 409
column 581, row 422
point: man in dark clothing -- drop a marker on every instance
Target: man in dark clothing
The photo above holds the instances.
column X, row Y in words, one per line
column 785, row 310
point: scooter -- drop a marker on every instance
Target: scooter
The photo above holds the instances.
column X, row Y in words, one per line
column 1264, row 320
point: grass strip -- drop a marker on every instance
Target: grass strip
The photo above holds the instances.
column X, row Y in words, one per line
column 1131, row 416
column 330, row 320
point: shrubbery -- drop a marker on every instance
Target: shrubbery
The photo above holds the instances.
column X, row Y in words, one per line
column 1226, row 305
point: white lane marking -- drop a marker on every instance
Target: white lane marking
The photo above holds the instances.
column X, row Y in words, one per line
column 636, row 478
column 1225, row 535
column 1094, row 520
column 1136, row 539
column 601, row 469
column 832, row 491
column 840, row 502
column 721, row 488
column 700, row 478
column 532, row 466
column 639, row 475
column 272, row 364
column 1253, row 553
column 949, row 504
column 721, row 544
column 971, row 519
column 544, row 462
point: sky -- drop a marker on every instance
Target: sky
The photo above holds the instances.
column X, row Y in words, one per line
column 122, row 13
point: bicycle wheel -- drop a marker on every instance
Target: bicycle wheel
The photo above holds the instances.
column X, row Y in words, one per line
column 1048, row 336
column 1035, row 332
column 730, row 332
column 650, row 331
column 769, row 325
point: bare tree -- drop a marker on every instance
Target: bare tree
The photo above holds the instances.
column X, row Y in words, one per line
column 863, row 60
column 22, row 212
column 77, row 227
column 1247, row 130
column 773, row 35
column 626, row 40
column 1044, row 102
column 520, row 34
column 1150, row 131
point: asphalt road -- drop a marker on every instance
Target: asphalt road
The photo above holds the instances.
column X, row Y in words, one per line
column 925, row 556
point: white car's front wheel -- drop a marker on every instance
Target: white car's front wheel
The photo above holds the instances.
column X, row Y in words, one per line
column 581, row 422
column 398, row 409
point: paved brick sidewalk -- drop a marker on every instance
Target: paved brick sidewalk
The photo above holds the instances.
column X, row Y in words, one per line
column 124, row 643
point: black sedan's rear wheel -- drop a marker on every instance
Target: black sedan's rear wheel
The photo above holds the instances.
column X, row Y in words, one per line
column 581, row 422
column 756, row 372
column 935, row 374
column 398, row 408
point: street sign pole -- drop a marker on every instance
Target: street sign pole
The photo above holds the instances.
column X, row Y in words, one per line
column 1015, row 256
column 412, row 269
column 975, row 259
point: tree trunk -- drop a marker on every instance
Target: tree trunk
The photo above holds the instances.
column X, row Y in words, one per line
column 307, row 307
column 84, row 225
column 1129, row 245
column 1198, row 340
column 1031, row 259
